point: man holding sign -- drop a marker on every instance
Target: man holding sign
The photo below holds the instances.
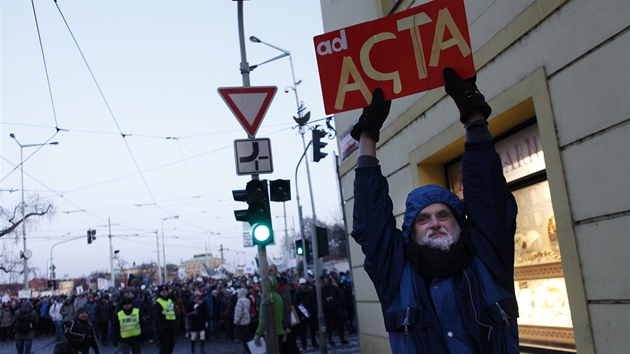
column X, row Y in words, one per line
column 446, row 280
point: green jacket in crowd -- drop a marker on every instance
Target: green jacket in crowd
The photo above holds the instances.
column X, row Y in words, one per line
column 277, row 310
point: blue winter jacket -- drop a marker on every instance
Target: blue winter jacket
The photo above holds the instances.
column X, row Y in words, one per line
column 471, row 311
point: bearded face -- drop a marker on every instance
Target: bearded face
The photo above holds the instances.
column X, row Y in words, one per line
column 436, row 227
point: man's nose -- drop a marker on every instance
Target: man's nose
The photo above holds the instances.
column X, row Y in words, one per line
column 434, row 222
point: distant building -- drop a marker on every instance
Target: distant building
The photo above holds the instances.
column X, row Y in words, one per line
column 194, row 267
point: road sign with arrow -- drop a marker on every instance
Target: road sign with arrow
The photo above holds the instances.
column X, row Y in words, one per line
column 253, row 156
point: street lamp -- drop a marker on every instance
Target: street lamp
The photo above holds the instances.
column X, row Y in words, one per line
column 285, row 53
column 163, row 246
column 26, row 254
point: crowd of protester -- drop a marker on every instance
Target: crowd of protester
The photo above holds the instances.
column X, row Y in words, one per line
column 204, row 311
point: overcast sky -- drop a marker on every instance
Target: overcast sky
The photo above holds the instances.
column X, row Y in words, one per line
column 155, row 69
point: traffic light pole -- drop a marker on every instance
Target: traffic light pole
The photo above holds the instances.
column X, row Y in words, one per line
column 301, row 218
column 321, row 320
column 111, row 253
column 272, row 345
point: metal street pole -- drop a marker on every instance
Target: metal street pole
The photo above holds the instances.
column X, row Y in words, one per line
column 164, row 246
column 272, row 345
column 26, row 287
column 286, row 232
column 111, row 253
column 320, row 317
column 300, row 217
column 320, row 314
column 24, row 253
column 157, row 240
column 321, row 320
column 342, row 204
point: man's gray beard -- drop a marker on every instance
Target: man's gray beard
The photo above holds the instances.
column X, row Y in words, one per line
column 442, row 243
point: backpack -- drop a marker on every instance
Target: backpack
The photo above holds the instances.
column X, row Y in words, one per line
column 24, row 323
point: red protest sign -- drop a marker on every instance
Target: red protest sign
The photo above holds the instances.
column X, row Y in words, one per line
column 403, row 54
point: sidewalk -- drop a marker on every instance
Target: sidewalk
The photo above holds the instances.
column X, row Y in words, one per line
column 46, row 345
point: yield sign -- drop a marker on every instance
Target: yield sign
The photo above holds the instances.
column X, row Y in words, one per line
column 249, row 104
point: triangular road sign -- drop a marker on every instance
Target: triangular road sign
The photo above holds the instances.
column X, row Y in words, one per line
column 249, row 104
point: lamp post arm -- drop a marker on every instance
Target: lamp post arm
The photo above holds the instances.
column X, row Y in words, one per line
column 53, row 246
column 269, row 60
column 276, row 48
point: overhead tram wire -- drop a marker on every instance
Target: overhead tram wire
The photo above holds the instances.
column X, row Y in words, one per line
column 144, row 171
column 111, row 113
column 116, row 133
column 220, row 171
column 62, row 196
column 187, row 167
column 41, row 48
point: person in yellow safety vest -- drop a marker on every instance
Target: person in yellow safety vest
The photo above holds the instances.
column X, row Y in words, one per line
column 165, row 321
column 127, row 328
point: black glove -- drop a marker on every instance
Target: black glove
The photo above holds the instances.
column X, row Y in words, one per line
column 373, row 116
column 465, row 94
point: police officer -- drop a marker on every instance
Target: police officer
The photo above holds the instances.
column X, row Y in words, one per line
column 165, row 320
column 127, row 328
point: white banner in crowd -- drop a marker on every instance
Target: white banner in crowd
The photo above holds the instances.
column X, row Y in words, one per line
column 24, row 294
column 102, row 283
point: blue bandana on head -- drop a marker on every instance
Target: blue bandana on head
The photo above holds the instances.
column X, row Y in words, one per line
column 424, row 196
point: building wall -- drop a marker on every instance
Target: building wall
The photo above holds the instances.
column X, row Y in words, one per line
column 567, row 62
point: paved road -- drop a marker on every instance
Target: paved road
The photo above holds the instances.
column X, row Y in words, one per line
column 182, row 346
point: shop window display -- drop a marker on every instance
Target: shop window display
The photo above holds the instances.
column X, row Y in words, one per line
column 545, row 316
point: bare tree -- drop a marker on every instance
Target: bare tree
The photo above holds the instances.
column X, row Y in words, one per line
column 148, row 270
column 336, row 235
column 34, row 205
column 10, row 263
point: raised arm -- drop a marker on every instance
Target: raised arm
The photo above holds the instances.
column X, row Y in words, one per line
column 490, row 206
column 374, row 225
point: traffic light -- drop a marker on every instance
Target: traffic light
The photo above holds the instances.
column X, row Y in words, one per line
column 299, row 248
column 258, row 214
column 308, row 249
column 51, row 284
column 240, row 195
column 280, row 190
column 303, row 250
column 322, row 242
column 318, row 145
column 90, row 236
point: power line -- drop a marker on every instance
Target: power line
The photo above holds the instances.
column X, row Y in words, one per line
column 41, row 47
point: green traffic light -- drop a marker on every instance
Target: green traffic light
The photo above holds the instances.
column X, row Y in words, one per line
column 262, row 234
column 299, row 247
